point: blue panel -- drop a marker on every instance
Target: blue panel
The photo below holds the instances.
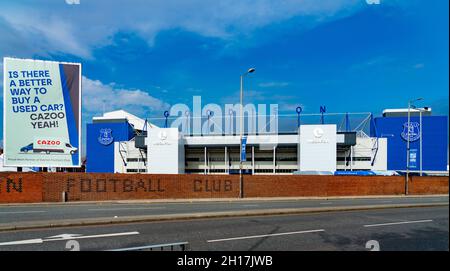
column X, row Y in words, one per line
column 243, row 149
column 71, row 122
column 100, row 157
column 434, row 141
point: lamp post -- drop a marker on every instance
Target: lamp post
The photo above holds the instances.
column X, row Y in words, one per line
column 420, row 148
column 407, row 144
column 241, row 130
column 421, row 110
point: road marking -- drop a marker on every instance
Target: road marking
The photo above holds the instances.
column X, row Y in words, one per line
column 326, row 203
column 386, row 201
column 398, row 223
column 22, row 212
column 73, row 237
column 250, row 205
column 151, row 247
column 121, row 209
column 263, row 235
column 65, row 236
column 22, row 242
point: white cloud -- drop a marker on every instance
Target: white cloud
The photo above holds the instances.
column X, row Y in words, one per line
column 99, row 97
column 53, row 26
column 419, row 66
column 290, row 108
column 273, row 84
column 256, row 96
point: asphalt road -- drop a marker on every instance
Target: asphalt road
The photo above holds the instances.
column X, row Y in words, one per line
column 27, row 213
column 425, row 228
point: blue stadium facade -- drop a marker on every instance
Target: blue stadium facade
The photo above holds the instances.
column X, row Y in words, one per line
column 434, row 141
column 100, row 144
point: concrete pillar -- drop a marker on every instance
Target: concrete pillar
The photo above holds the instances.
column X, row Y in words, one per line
column 206, row 162
column 226, row 159
column 274, row 159
column 351, row 158
column 253, row 160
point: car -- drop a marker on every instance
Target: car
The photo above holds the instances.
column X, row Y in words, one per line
column 53, row 145
column 27, row 148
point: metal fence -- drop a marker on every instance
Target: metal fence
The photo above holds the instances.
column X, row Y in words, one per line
column 261, row 124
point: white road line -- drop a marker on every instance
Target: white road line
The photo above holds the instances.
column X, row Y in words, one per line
column 386, row 201
column 68, row 237
column 121, row 209
column 23, row 242
column 398, row 223
column 22, row 212
column 326, row 203
column 250, row 205
column 94, row 236
column 263, row 235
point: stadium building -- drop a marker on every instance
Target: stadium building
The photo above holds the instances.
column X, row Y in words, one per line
column 123, row 143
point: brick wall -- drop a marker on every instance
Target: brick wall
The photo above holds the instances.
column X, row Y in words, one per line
column 428, row 185
column 93, row 186
column 48, row 187
column 308, row 186
column 20, row 187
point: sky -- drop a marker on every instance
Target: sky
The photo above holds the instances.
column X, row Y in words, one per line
column 144, row 56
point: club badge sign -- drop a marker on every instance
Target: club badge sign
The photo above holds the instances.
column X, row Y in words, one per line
column 105, row 137
column 41, row 113
column 413, row 131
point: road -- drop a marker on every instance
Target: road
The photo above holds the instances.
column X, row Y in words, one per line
column 424, row 228
column 29, row 213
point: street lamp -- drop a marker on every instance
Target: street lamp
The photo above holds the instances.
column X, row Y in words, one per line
column 407, row 145
column 421, row 110
column 241, row 192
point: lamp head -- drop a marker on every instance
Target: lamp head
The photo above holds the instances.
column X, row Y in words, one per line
column 251, row 70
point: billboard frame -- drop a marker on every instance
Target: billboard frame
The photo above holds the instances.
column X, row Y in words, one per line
column 79, row 112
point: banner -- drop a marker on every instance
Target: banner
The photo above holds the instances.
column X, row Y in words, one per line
column 413, row 158
column 41, row 113
column 243, row 149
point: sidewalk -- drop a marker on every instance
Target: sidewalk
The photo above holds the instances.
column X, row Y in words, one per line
column 150, row 201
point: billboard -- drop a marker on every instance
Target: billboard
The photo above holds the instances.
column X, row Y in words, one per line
column 41, row 113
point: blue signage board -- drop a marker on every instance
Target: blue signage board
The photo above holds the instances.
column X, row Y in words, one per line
column 243, row 148
column 413, row 158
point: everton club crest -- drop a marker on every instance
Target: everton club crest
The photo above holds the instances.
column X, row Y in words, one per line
column 105, row 137
column 414, row 131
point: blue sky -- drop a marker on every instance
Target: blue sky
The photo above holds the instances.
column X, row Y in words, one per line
column 143, row 56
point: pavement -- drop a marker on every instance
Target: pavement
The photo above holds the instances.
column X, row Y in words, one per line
column 392, row 229
column 220, row 200
column 34, row 216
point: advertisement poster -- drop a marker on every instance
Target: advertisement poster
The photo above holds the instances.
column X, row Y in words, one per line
column 413, row 157
column 42, row 113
